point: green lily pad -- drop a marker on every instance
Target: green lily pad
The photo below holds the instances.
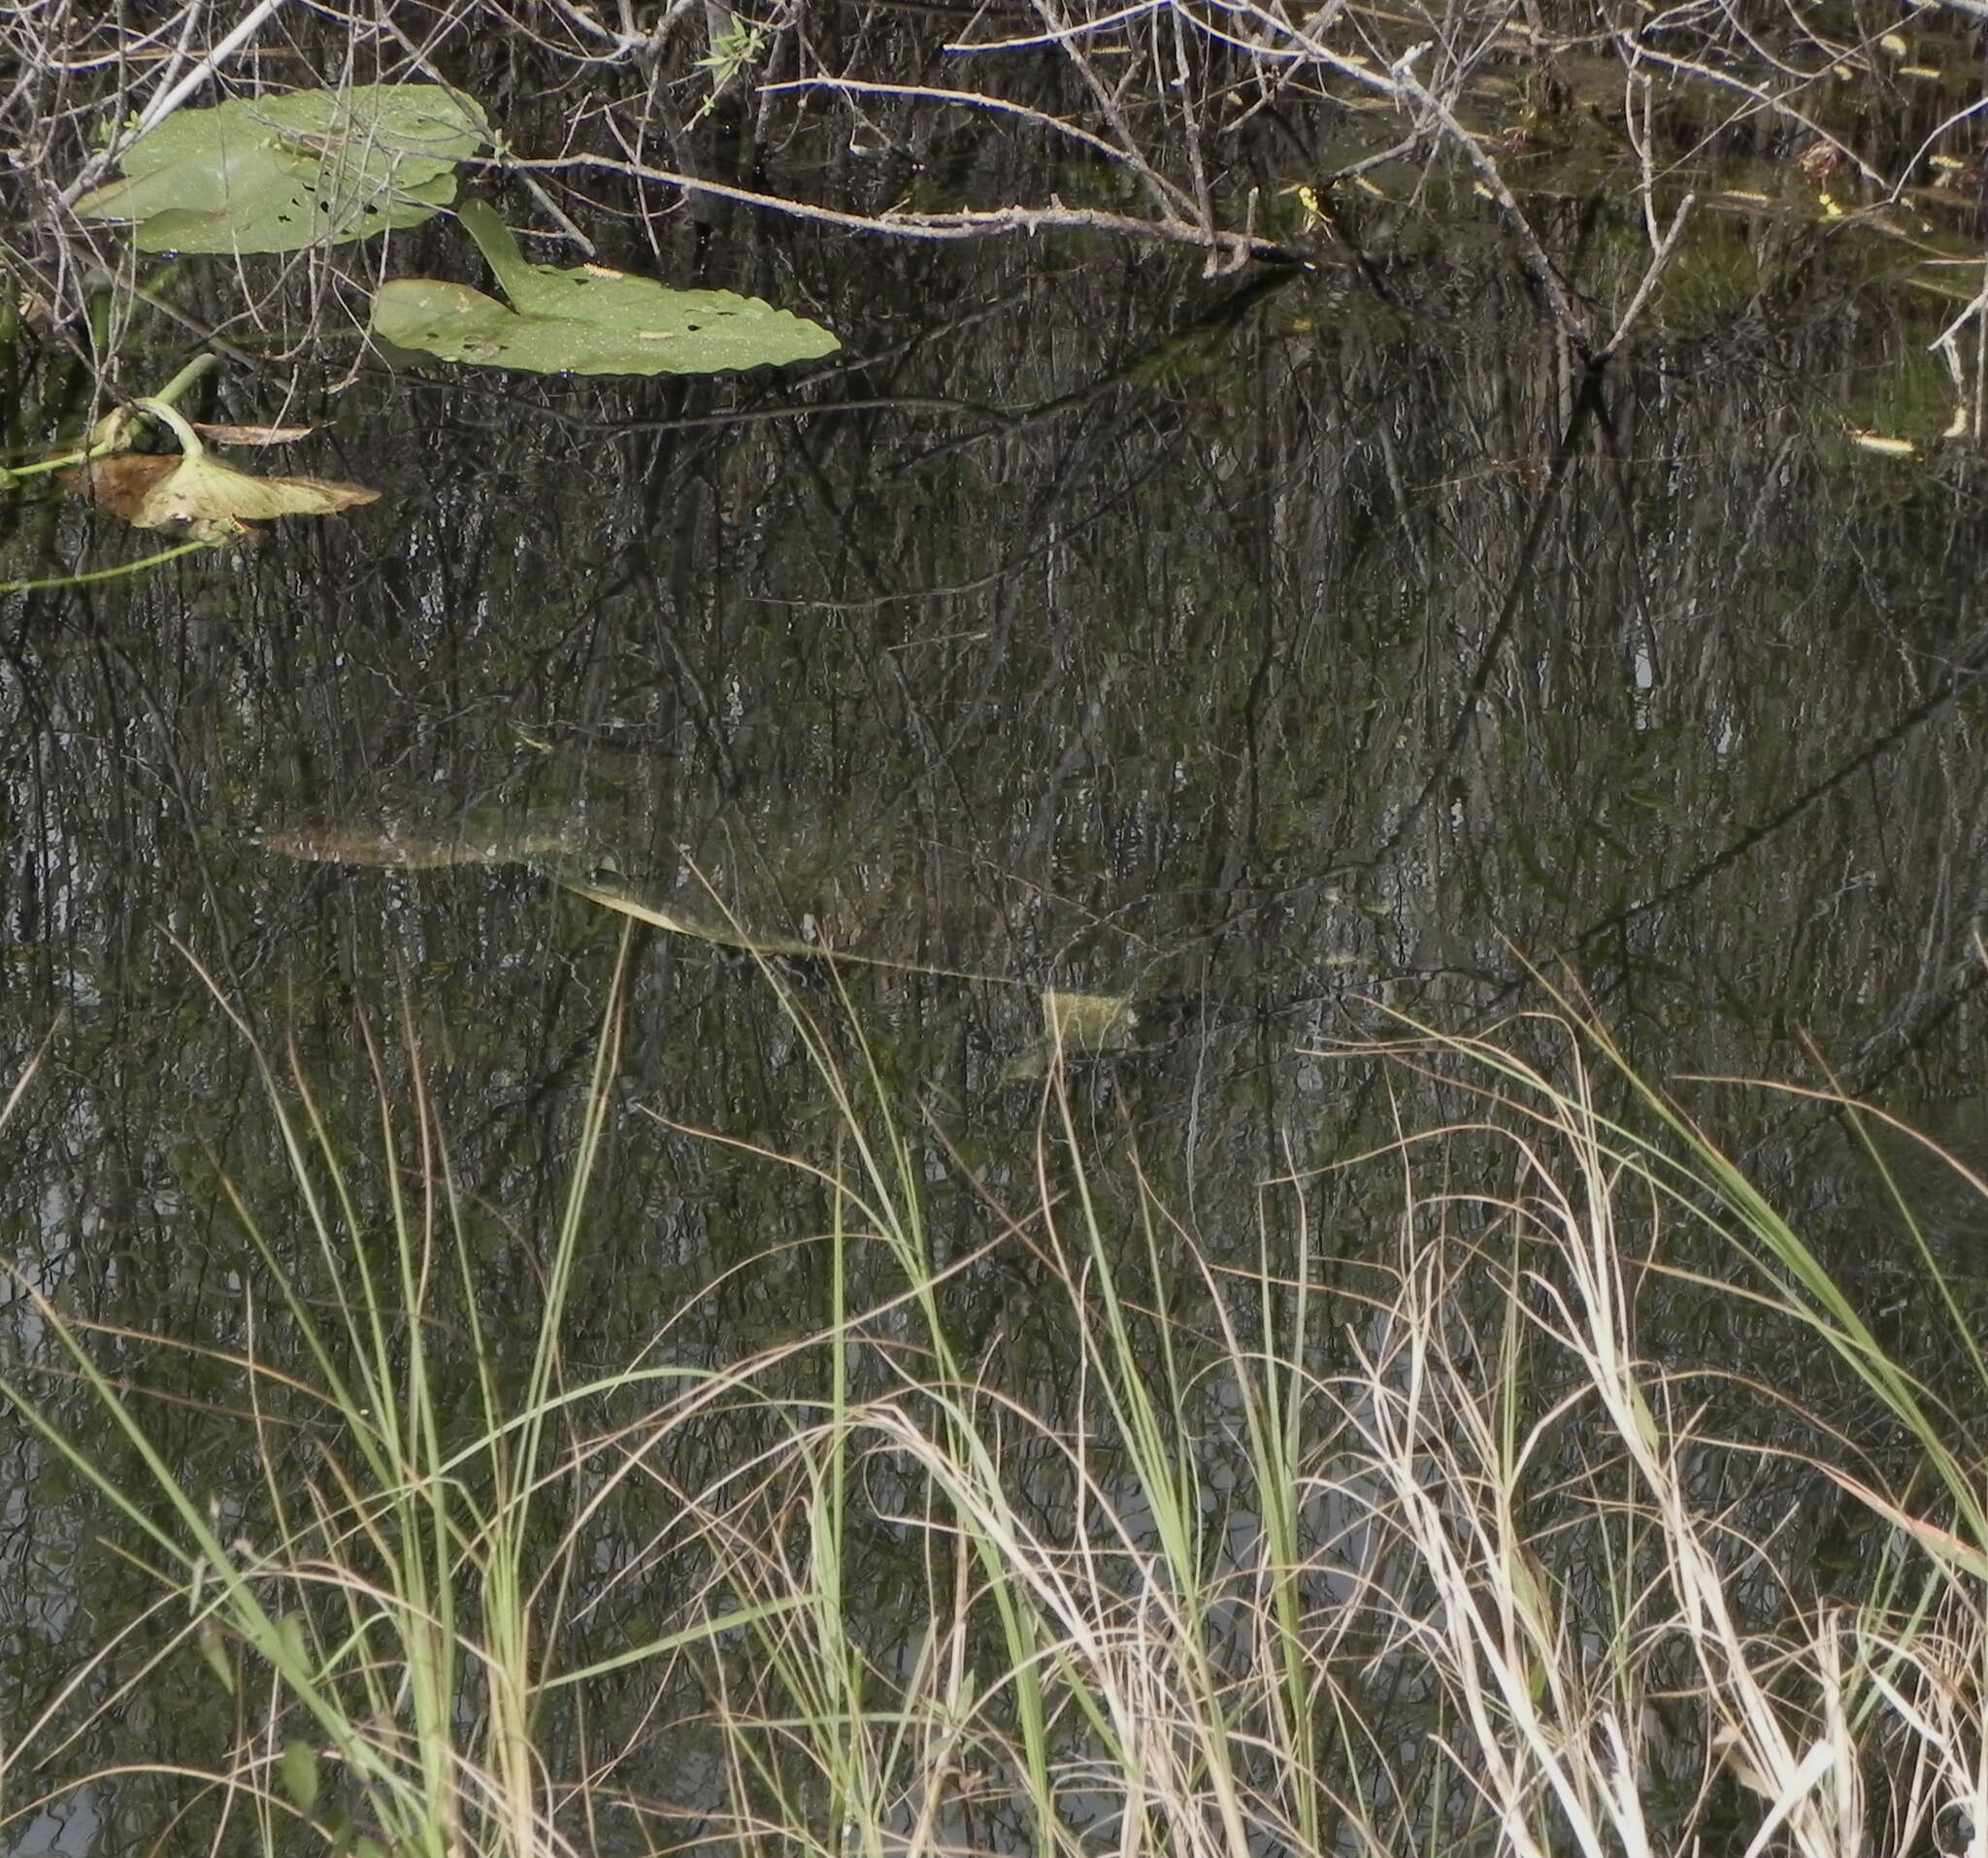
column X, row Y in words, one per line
column 276, row 174
column 586, row 321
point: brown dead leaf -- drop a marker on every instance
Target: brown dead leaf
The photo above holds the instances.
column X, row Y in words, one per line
column 120, row 483
column 203, row 497
column 252, row 435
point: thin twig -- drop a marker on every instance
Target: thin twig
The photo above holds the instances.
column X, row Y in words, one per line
column 931, row 93
column 1655, row 270
column 942, row 227
column 165, row 102
column 1640, row 48
column 1060, row 35
column 1169, row 198
column 1572, row 320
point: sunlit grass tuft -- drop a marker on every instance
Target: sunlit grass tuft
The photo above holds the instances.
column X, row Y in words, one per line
column 1477, row 1551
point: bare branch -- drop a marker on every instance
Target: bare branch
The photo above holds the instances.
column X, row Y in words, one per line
column 929, row 93
column 1571, row 318
column 945, row 227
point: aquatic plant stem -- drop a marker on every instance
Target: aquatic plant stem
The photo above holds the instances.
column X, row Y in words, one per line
column 170, row 394
column 110, row 434
column 168, row 415
column 101, row 574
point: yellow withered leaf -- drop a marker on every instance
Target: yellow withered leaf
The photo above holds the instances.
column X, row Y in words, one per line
column 204, row 497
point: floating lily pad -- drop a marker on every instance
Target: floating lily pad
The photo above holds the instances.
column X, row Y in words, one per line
column 586, row 321
column 276, row 174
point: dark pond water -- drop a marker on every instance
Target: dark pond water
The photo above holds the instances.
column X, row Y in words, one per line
column 1242, row 645
column 1276, row 651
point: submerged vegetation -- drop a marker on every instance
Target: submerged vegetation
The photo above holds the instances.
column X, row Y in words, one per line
column 713, row 1434
column 1460, row 1538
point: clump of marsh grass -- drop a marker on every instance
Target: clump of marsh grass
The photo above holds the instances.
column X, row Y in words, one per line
column 1480, row 1551
column 1458, row 1561
column 386, row 1606
column 1610, row 1594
